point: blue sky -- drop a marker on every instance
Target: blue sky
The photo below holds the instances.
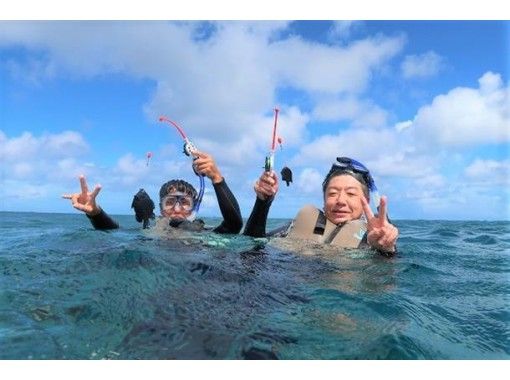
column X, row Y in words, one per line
column 424, row 104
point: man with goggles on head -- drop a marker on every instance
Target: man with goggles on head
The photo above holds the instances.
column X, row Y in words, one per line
column 179, row 202
column 346, row 219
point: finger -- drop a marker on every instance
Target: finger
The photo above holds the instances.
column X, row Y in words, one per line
column 382, row 242
column 79, row 206
column 366, row 208
column 373, row 236
column 376, row 233
column 267, row 189
column 382, row 209
column 391, row 236
column 274, row 176
column 268, row 180
column 198, row 161
column 266, row 192
column 96, row 191
column 83, row 184
column 198, row 154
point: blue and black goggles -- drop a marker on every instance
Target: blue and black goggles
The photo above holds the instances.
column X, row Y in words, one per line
column 349, row 165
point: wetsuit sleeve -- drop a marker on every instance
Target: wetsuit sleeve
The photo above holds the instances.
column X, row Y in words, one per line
column 103, row 221
column 256, row 224
column 232, row 219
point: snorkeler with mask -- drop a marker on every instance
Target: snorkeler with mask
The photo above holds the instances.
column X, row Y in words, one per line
column 178, row 201
column 346, row 219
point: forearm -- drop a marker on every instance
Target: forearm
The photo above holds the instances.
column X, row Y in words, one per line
column 256, row 224
column 232, row 219
column 102, row 221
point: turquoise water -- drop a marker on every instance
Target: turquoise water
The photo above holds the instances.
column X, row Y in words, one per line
column 69, row 292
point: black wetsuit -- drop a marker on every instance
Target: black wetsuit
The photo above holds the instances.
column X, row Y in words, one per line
column 256, row 224
column 232, row 220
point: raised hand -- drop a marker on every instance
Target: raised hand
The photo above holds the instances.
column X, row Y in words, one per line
column 267, row 185
column 382, row 235
column 204, row 164
column 85, row 201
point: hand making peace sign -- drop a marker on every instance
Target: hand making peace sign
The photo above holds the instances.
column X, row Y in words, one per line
column 382, row 235
column 85, row 201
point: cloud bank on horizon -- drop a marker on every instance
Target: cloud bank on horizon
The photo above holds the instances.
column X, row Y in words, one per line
column 429, row 119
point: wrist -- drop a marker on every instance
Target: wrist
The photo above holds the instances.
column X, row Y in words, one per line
column 385, row 249
column 262, row 197
column 215, row 179
column 265, row 198
column 95, row 211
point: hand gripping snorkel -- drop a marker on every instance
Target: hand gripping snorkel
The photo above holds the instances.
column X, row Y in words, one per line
column 189, row 149
column 286, row 173
column 269, row 163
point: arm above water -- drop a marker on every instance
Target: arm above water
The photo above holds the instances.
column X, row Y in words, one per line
column 266, row 188
column 205, row 164
column 256, row 224
column 86, row 202
column 102, row 221
column 232, row 219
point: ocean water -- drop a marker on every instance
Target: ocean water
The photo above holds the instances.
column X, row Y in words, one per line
column 70, row 292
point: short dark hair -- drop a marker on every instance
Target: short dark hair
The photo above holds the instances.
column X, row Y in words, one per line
column 335, row 173
column 177, row 185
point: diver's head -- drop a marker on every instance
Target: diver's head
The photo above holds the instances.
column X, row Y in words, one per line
column 347, row 181
column 177, row 199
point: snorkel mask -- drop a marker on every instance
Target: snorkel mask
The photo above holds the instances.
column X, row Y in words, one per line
column 346, row 165
column 189, row 149
column 177, row 191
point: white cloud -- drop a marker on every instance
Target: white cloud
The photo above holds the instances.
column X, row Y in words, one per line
column 38, row 160
column 490, row 172
column 22, row 170
column 342, row 30
column 466, row 116
column 34, row 71
column 432, row 180
column 20, row 190
column 28, row 147
column 403, row 125
column 335, row 70
column 422, row 66
column 363, row 113
column 218, row 80
column 363, row 144
column 310, row 181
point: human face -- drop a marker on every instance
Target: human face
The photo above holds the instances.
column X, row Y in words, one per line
column 342, row 199
column 177, row 205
